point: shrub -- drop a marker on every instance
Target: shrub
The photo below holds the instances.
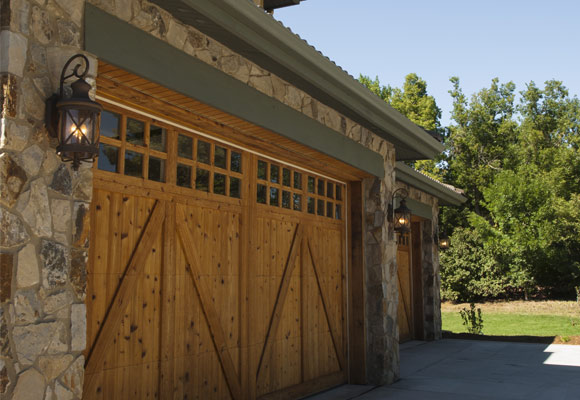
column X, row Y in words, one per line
column 472, row 319
column 469, row 270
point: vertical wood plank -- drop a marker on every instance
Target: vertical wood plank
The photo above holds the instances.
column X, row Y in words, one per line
column 417, row 279
column 167, row 356
column 304, row 302
column 248, row 218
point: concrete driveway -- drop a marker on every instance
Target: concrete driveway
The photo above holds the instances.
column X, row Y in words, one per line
column 472, row 369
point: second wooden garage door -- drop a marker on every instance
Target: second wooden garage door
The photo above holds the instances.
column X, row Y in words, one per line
column 214, row 273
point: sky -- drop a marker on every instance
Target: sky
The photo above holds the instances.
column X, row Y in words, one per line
column 513, row 40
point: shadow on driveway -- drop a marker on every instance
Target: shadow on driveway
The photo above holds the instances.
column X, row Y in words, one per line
column 471, row 369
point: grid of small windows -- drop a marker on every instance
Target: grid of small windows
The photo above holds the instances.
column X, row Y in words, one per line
column 138, row 147
column 208, row 167
column 132, row 147
column 281, row 186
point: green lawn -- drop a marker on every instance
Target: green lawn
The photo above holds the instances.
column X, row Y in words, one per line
column 516, row 324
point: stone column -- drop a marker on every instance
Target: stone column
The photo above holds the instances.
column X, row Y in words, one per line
column 431, row 279
column 43, row 210
column 382, row 355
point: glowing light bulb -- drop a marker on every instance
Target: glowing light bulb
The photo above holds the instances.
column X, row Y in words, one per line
column 402, row 221
column 78, row 132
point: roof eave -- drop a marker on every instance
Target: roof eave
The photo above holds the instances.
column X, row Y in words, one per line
column 446, row 196
column 257, row 36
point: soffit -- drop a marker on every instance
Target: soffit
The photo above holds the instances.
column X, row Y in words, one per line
column 131, row 90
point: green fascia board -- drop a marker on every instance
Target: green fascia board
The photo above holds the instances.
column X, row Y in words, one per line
column 417, row 208
column 446, row 196
column 127, row 47
column 257, row 36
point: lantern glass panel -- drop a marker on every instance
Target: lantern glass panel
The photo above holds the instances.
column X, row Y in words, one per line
column 79, row 126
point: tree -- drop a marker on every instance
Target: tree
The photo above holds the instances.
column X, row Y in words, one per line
column 481, row 140
column 521, row 176
column 413, row 101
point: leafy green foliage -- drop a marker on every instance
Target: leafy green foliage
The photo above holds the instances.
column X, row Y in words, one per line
column 470, row 270
column 413, row 101
column 521, row 180
column 518, row 161
column 481, row 141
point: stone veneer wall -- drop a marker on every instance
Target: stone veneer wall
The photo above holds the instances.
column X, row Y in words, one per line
column 43, row 210
column 44, row 205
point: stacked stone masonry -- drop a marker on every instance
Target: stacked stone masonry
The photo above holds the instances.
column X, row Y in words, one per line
column 44, row 204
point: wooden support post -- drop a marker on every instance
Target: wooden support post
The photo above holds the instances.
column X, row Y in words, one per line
column 356, row 298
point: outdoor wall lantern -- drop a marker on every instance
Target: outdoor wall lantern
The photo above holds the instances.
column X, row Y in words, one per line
column 443, row 241
column 401, row 216
column 74, row 120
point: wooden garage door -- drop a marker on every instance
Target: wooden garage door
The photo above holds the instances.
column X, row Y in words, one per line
column 214, row 273
column 404, row 278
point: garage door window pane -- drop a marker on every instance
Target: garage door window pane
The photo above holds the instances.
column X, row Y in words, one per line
column 133, row 164
column 310, row 184
column 219, row 184
column 321, row 187
column 235, row 190
column 203, row 152
column 337, row 213
column 110, row 125
column 236, row 162
column 108, row 158
column 286, row 202
column 274, row 173
column 338, row 193
column 156, row 169
column 311, row 205
column 329, row 209
column 220, row 157
column 274, row 197
column 329, row 190
column 297, row 199
column 183, row 175
column 135, row 132
column 320, row 207
column 262, row 194
column 185, row 146
column 297, row 180
column 262, row 170
column 202, row 180
column 286, row 177
column 157, row 137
